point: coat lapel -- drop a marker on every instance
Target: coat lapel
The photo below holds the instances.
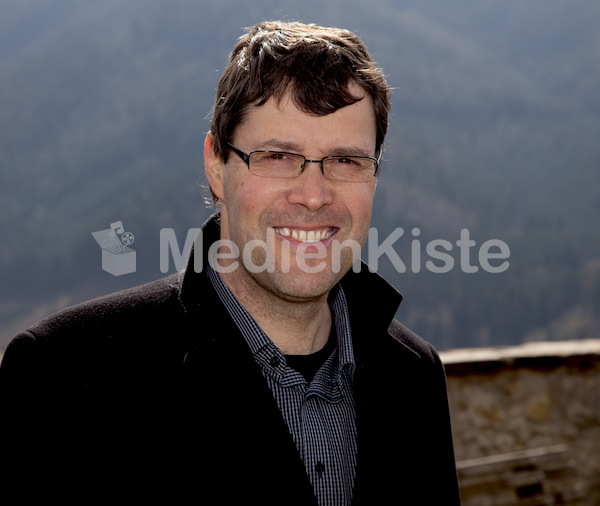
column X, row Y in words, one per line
column 383, row 437
column 383, row 365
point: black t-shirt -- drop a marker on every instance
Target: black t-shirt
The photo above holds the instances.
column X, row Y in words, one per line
column 308, row 365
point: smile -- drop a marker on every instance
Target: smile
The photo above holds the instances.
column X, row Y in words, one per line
column 306, row 235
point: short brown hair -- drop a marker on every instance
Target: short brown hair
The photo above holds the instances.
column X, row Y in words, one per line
column 315, row 63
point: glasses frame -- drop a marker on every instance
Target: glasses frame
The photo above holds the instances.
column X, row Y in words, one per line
column 246, row 158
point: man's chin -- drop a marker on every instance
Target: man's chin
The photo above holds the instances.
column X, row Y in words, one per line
column 300, row 286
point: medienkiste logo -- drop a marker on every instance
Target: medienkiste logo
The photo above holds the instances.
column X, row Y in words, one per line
column 436, row 256
column 117, row 257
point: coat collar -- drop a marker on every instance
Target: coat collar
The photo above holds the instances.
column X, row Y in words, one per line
column 194, row 280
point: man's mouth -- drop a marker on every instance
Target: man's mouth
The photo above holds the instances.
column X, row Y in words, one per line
column 306, row 235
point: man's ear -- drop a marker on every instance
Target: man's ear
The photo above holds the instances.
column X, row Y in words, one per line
column 213, row 166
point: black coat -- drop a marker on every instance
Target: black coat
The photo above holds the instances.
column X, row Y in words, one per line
column 151, row 394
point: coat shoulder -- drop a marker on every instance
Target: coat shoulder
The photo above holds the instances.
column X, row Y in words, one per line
column 122, row 319
column 137, row 303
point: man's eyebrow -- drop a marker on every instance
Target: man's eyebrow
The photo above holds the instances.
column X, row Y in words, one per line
column 283, row 145
column 279, row 145
column 351, row 151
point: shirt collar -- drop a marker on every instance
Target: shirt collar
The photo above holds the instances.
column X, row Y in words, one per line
column 339, row 312
column 257, row 339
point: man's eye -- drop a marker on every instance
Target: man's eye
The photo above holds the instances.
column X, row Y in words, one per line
column 342, row 160
column 269, row 157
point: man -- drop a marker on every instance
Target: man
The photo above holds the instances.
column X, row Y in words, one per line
column 269, row 371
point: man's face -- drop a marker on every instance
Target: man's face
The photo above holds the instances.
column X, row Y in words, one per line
column 300, row 219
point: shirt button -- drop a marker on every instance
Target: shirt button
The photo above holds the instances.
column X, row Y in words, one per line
column 274, row 361
column 320, row 467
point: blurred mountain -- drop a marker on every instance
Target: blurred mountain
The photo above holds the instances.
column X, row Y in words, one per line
column 494, row 128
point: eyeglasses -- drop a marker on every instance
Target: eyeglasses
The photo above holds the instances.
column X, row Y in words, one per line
column 288, row 165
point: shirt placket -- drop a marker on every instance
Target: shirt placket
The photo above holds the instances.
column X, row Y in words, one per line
column 316, row 442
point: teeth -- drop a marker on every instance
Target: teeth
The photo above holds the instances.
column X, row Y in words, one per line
column 304, row 236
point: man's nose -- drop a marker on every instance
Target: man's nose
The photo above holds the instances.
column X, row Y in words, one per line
column 311, row 188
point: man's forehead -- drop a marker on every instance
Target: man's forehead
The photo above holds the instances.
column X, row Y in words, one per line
column 284, row 127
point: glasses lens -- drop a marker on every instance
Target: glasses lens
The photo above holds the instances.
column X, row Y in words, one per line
column 275, row 164
column 349, row 168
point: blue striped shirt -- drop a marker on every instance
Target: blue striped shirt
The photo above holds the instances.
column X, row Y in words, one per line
column 321, row 414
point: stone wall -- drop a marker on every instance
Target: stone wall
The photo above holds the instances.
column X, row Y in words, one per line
column 526, row 423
